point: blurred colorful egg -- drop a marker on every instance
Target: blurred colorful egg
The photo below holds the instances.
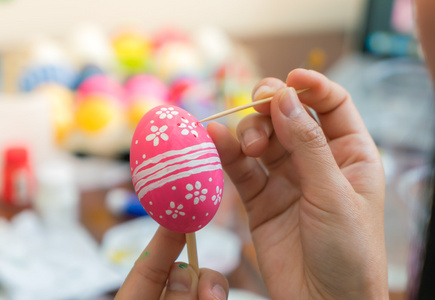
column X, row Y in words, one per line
column 176, row 170
column 37, row 75
column 100, row 84
column 138, row 108
column 86, row 72
column 143, row 93
column 144, row 85
column 43, row 50
column 132, row 50
column 168, row 35
column 61, row 104
column 200, row 100
column 215, row 46
column 177, row 59
column 242, row 97
column 88, row 44
column 179, row 87
column 95, row 112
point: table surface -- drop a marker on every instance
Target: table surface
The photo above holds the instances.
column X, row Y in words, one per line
column 95, row 216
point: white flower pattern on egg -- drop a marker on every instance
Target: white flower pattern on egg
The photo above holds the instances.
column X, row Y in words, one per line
column 175, row 211
column 217, row 198
column 167, row 113
column 157, row 132
column 196, row 192
column 188, row 128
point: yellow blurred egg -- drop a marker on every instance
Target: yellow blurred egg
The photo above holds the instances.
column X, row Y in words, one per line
column 136, row 111
column 61, row 103
column 242, row 98
column 94, row 113
column 132, row 50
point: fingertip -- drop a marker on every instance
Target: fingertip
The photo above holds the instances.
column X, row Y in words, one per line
column 254, row 132
column 253, row 142
column 265, row 88
column 182, row 282
column 305, row 79
column 212, row 285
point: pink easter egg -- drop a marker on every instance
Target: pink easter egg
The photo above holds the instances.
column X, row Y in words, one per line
column 102, row 85
column 146, row 86
column 176, row 170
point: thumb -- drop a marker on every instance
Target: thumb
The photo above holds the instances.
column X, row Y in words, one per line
column 182, row 283
column 304, row 139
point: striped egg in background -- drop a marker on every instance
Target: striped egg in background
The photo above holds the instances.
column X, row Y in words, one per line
column 176, row 170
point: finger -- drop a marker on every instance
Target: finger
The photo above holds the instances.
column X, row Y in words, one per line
column 254, row 132
column 264, row 89
column 212, row 285
column 333, row 104
column 182, row 283
column 306, row 143
column 245, row 172
column 258, row 140
column 148, row 276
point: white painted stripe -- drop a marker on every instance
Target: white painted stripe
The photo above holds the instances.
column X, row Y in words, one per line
column 166, row 171
column 172, row 178
column 140, row 175
column 168, row 154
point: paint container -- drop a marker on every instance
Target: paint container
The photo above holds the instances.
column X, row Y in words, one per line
column 18, row 179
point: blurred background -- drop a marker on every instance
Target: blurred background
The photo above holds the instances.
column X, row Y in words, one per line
column 77, row 76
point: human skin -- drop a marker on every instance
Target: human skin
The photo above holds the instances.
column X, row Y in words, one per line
column 155, row 276
column 425, row 11
column 314, row 195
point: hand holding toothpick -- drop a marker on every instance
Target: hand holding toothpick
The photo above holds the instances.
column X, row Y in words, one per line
column 242, row 107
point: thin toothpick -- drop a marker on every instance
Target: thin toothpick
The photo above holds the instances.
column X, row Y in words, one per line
column 242, row 107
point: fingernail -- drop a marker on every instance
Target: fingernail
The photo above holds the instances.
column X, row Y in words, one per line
column 180, row 279
column 263, row 92
column 218, row 293
column 250, row 136
column 289, row 103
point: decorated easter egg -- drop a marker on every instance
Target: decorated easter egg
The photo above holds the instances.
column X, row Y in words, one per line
column 176, row 170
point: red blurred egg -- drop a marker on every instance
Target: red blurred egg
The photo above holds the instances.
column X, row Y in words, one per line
column 176, row 170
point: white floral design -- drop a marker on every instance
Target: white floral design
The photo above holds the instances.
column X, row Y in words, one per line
column 217, row 198
column 188, row 128
column 175, row 211
column 167, row 113
column 196, row 192
column 157, row 132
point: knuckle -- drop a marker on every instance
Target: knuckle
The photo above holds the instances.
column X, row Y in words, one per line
column 312, row 135
column 245, row 176
column 151, row 274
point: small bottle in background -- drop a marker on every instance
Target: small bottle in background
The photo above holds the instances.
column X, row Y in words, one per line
column 57, row 197
column 18, row 177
